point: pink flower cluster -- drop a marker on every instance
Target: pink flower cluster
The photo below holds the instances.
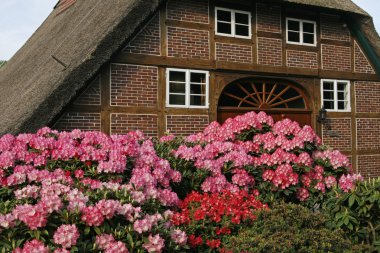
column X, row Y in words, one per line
column 33, row 246
column 66, row 236
column 110, row 245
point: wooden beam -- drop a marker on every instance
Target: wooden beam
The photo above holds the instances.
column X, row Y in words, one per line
column 188, row 25
column 105, row 91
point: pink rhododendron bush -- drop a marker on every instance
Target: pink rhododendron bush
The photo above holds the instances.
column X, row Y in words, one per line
column 89, row 192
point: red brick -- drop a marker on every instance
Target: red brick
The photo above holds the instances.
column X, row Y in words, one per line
column 368, row 134
column 91, row 96
column 302, row 59
column 268, row 17
column 78, row 120
column 188, row 10
column 369, row 165
column 148, row 40
column 362, row 64
column 336, row 57
column 333, row 28
column 188, row 43
column 233, row 53
column 184, row 125
column 367, row 96
column 341, row 127
column 122, row 123
column 269, row 51
column 133, row 85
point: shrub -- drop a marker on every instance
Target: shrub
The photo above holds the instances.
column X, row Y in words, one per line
column 290, row 228
column 281, row 160
column 358, row 212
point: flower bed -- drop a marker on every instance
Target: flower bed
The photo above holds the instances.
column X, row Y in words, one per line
column 89, row 192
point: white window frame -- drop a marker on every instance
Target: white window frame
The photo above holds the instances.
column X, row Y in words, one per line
column 301, row 21
column 233, row 23
column 348, row 89
column 187, row 88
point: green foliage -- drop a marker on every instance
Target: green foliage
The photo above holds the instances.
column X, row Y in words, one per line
column 2, row 63
column 358, row 212
column 291, row 228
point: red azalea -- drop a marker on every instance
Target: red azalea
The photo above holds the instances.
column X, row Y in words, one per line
column 214, row 243
column 195, row 241
column 67, row 173
column 88, row 163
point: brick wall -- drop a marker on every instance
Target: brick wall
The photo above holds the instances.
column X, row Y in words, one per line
column 301, row 59
column 122, row 123
column 368, row 134
column 188, row 43
column 148, row 40
column 369, row 165
column 133, row 85
column 269, row 51
column 362, row 65
column 268, row 18
column 333, row 28
column 336, row 57
column 78, row 120
column 91, row 96
column 342, row 127
column 233, row 53
column 183, row 125
column 367, row 97
column 188, row 10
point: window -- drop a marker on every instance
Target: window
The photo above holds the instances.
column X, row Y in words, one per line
column 336, row 95
column 187, row 88
column 301, row 32
column 233, row 23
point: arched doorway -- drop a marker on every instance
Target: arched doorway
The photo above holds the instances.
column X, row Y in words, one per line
column 280, row 99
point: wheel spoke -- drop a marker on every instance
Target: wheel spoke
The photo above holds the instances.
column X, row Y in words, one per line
column 271, row 92
column 257, row 93
column 248, row 94
column 240, row 99
column 286, row 101
column 264, row 92
column 279, row 95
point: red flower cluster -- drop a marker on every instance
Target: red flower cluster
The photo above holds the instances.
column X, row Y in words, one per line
column 218, row 212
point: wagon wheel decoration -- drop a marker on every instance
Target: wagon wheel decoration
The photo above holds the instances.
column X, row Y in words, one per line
column 262, row 95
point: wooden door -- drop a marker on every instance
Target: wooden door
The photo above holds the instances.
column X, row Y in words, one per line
column 278, row 99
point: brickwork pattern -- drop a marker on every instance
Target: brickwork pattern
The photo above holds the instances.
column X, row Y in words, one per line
column 91, row 96
column 333, row 28
column 369, row 165
column 268, row 18
column 78, row 120
column 336, row 57
column 302, row 59
column 122, row 123
column 233, row 53
column 188, row 10
column 148, row 41
column 269, row 51
column 362, row 64
column 183, row 125
column 188, row 43
column 342, row 127
column 368, row 134
column 367, row 96
column 133, row 85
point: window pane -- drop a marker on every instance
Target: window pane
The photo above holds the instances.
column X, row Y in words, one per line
column 293, row 25
column 341, row 96
column 342, row 105
column 198, row 78
column 224, row 28
column 293, row 36
column 328, row 104
column 177, row 88
column 198, row 100
column 242, row 18
column 242, row 30
column 308, row 38
column 176, row 76
column 328, row 95
column 342, row 86
column 308, row 27
column 224, row 16
column 197, row 89
column 177, row 99
column 328, row 86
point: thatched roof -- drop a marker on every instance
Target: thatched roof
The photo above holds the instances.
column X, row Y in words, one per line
column 70, row 47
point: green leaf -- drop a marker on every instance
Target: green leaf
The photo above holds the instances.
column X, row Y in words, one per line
column 351, row 200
